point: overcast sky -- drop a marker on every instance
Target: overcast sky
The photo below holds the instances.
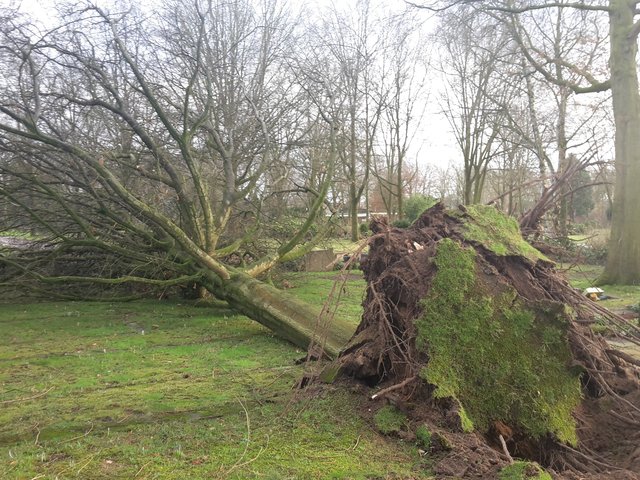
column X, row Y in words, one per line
column 433, row 144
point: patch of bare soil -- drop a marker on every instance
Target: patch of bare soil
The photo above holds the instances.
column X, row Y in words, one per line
column 384, row 356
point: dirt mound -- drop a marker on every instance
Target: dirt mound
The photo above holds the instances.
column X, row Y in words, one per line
column 472, row 334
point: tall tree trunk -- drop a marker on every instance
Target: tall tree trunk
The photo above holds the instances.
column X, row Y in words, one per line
column 561, row 141
column 354, row 194
column 537, row 136
column 354, row 201
column 623, row 261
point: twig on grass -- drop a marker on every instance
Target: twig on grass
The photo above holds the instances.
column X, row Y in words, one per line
column 87, row 463
column 37, row 435
column 262, row 449
column 79, row 436
column 15, row 400
column 138, row 472
column 124, row 418
column 68, row 467
column 246, row 448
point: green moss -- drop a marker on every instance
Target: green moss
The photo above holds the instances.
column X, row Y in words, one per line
column 523, row 471
column 465, row 421
column 389, row 420
column 497, row 232
column 501, row 360
column 423, row 435
column 329, row 373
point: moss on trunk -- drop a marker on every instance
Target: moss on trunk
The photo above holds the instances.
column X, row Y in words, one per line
column 283, row 314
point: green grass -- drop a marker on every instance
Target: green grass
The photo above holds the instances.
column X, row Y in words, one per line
column 390, row 420
column 593, row 236
column 342, row 245
column 167, row 390
column 163, row 390
column 315, row 287
column 583, row 276
column 523, row 471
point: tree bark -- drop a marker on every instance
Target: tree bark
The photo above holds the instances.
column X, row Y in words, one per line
column 354, row 201
column 561, row 142
column 283, row 314
column 623, row 261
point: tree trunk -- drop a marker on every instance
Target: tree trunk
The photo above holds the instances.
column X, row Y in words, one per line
column 283, row 314
column 623, row 261
column 354, row 194
column 399, row 191
column 353, row 213
column 561, row 141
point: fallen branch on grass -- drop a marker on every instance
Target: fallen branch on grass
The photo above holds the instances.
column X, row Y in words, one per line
column 80, row 436
column 16, row 400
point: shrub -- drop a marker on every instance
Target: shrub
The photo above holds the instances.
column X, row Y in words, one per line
column 595, row 255
column 415, row 205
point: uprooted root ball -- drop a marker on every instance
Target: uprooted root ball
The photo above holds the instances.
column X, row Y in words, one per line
column 469, row 328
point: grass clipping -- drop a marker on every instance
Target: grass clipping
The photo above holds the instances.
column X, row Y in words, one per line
column 502, row 360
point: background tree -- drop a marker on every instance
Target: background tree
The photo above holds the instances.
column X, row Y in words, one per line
column 348, row 35
column 623, row 261
column 402, row 97
column 475, row 93
column 563, row 38
column 416, row 204
column 581, row 199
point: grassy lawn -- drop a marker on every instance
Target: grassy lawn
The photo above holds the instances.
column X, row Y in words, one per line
column 583, row 276
column 315, row 287
column 162, row 389
column 158, row 389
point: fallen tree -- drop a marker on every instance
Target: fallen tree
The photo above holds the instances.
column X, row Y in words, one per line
column 467, row 328
column 157, row 150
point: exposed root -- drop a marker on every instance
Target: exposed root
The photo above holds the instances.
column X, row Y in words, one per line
column 400, row 270
column 390, row 389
